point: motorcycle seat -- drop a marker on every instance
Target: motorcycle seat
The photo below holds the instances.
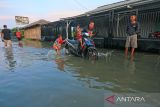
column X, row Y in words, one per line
column 73, row 41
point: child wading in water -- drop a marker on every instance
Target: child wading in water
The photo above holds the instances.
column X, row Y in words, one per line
column 57, row 44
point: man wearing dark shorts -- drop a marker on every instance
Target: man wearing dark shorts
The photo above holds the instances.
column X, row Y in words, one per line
column 133, row 28
column 6, row 35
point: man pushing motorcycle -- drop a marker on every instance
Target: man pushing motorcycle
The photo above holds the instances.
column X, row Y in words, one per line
column 90, row 29
column 83, row 44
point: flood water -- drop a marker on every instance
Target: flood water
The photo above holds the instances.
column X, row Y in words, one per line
column 33, row 76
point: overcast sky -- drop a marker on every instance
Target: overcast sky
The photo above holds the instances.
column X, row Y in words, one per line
column 50, row 10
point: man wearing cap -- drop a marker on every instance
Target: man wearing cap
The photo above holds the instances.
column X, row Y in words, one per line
column 6, row 35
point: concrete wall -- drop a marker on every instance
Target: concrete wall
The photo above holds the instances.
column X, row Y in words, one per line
column 148, row 45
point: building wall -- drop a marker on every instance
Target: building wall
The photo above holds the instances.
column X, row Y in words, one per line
column 33, row 33
column 51, row 30
column 149, row 22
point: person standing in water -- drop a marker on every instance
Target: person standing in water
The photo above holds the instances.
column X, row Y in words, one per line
column 19, row 37
column 133, row 29
column 6, row 36
column 57, row 44
column 91, row 29
column 79, row 35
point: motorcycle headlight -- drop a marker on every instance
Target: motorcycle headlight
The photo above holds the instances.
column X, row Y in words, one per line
column 86, row 34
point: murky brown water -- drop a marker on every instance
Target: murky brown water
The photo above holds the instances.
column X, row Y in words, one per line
column 33, row 76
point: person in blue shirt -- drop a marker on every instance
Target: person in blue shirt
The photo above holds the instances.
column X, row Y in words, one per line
column 133, row 29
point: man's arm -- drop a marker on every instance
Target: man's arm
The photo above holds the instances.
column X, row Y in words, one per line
column 95, row 32
column 127, row 29
column 2, row 34
column 138, row 28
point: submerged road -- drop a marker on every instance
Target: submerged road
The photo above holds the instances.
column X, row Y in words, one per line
column 33, row 76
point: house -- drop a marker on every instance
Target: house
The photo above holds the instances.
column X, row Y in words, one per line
column 111, row 22
column 33, row 30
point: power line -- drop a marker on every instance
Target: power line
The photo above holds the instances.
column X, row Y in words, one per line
column 80, row 4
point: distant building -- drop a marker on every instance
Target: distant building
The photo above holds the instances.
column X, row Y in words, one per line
column 33, row 30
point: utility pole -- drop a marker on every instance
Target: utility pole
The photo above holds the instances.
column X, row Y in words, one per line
column 67, row 26
column 68, row 22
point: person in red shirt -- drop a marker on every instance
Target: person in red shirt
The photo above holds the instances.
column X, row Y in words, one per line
column 79, row 34
column 19, row 37
column 57, row 44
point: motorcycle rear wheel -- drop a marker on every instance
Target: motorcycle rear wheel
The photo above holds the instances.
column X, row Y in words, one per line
column 92, row 54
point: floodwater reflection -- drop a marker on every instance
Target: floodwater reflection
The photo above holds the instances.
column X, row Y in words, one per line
column 117, row 75
column 60, row 63
column 9, row 58
column 33, row 43
column 39, row 82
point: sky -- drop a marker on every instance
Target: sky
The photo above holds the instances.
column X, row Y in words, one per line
column 51, row 10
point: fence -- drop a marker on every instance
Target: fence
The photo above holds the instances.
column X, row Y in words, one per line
column 149, row 22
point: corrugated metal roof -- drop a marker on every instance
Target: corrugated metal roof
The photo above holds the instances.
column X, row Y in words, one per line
column 118, row 5
column 39, row 22
column 113, row 6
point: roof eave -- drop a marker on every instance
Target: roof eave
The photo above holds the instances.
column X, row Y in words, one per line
column 118, row 7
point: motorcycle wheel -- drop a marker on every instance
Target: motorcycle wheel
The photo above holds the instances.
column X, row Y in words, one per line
column 92, row 54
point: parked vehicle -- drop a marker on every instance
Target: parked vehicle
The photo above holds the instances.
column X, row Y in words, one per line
column 155, row 34
column 88, row 50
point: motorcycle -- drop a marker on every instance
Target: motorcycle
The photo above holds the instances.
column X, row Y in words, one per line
column 155, row 35
column 88, row 50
